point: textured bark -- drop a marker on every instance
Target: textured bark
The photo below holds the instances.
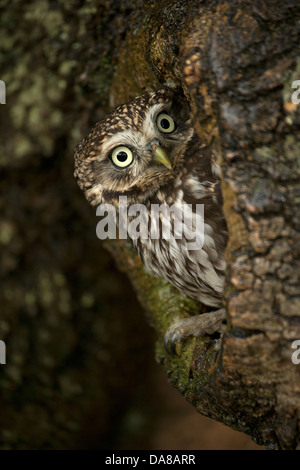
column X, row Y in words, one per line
column 236, row 61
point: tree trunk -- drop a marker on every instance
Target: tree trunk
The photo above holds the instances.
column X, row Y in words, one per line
column 236, row 62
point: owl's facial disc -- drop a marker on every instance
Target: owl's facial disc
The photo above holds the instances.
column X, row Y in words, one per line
column 136, row 150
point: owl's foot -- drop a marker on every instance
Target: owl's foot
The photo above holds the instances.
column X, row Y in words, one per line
column 200, row 325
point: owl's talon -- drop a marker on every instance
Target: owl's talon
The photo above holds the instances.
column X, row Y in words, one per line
column 170, row 345
column 200, row 325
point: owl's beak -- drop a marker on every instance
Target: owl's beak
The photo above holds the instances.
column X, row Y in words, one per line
column 160, row 155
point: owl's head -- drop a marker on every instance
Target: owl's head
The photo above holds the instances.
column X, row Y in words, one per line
column 135, row 150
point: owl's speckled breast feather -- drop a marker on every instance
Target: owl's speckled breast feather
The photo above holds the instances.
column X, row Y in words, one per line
column 200, row 274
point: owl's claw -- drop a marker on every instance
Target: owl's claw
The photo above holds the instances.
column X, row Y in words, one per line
column 170, row 345
column 200, row 325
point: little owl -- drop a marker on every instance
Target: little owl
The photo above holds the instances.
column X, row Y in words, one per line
column 148, row 151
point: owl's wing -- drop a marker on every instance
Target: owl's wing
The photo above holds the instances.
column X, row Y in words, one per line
column 200, row 190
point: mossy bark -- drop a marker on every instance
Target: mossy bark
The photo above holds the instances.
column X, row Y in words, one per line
column 236, row 61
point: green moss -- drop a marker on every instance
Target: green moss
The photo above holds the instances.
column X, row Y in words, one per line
column 101, row 79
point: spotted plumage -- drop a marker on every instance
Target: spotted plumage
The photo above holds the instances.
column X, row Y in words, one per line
column 148, row 150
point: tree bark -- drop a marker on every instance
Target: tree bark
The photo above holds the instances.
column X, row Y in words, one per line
column 236, row 62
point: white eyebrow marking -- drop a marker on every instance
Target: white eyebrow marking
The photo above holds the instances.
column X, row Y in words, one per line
column 133, row 138
column 149, row 125
column 126, row 137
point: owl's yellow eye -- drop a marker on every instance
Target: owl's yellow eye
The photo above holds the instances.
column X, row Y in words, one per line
column 122, row 157
column 165, row 123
